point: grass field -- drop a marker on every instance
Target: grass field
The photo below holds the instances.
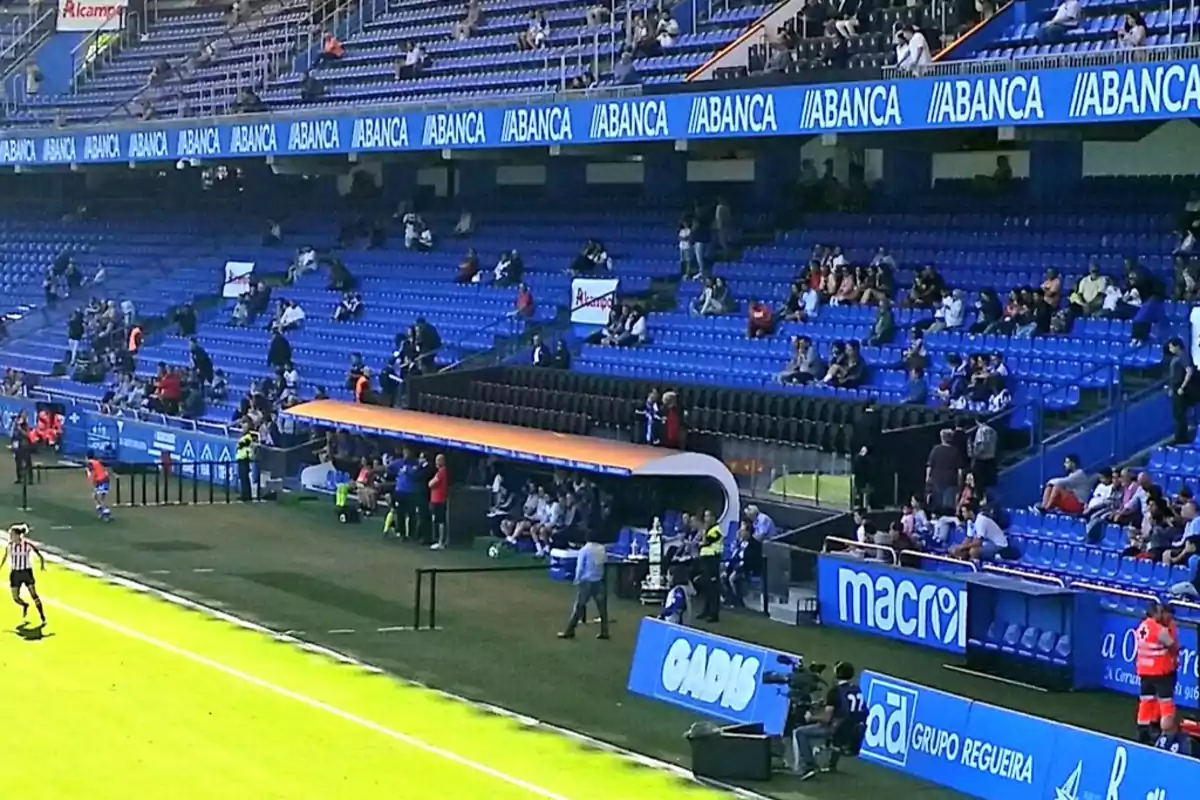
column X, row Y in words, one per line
column 290, row 567
column 822, row 489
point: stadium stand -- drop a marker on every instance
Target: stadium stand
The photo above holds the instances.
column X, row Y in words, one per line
column 204, row 62
column 1105, row 25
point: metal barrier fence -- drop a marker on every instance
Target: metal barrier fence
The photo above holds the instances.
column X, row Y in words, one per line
column 623, row 579
column 170, row 483
column 1102, row 58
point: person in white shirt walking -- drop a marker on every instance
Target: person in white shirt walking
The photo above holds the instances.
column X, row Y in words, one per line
column 589, row 585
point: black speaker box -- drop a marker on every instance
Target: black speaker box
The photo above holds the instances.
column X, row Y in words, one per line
column 731, row 753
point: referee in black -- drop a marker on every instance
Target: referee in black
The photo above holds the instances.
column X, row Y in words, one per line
column 244, row 456
column 22, row 450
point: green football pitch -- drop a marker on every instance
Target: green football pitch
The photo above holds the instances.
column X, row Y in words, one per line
column 136, row 696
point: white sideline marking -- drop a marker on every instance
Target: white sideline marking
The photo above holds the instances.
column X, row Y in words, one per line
column 60, row 527
column 76, row 563
column 340, row 631
column 310, row 702
column 203, row 570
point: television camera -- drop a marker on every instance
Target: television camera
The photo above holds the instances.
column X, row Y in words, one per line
column 803, row 684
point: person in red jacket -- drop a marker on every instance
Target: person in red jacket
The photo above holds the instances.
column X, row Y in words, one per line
column 439, row 492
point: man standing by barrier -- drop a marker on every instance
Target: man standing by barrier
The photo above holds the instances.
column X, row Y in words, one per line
column 712, row 548
column 589, row 585
column 1157, row 664
column 245, row 459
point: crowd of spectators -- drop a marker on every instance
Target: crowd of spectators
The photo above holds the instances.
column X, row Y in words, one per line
column 1157, row 527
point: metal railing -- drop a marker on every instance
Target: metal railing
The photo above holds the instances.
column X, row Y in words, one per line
column 1102, row 58
column 1027, row 576
column 27, row 31
column 101, row 46
column 853, row 546
column 239, row 31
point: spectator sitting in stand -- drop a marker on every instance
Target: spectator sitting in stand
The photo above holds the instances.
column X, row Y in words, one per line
column 304, row 263
column 949, row 315
column 218, row 392
column 634, row 331
column 915, row 390
column 1087, row 298
column 525, row 305
column 1052, row 288
column 805, row 365
column 411, row 63
column 468, row 270
column 883, row 330
column 1067, row 494
column 927, row 289
column 1186, row 542
column 509, row 269
column 289, row 317
column 714, row 299
column 534, row 36
column 349, row 307
column 593, row 257
column 762, row 320
column 803, row 305
column 847, row 370
column 986, row 540
column 1065, row 19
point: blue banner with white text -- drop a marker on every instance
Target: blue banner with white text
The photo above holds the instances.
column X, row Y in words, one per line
column 930, row 609
column 133, row 442
column 1119, row 93
column 992, row 753
column 714, row 676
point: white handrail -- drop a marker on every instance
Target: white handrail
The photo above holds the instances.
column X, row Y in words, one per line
column 857, row 545
column 1032, row 576
column 1096, row 587
column 958, row 562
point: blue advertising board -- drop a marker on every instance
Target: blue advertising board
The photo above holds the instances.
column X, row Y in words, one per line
column 134, row 442
column 711, row 675
column 930, row 609
column 924, row 608
column 1118, row 93
column 990, row 752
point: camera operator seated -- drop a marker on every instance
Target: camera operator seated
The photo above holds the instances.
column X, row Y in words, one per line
column 842, row 723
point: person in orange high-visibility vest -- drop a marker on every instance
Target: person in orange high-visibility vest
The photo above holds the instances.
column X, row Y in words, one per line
column 1157, row 664
column 135, row 339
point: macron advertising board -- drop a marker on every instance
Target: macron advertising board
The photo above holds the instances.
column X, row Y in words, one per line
column 134, row 442
column 929, row 609
column 992, row 753
column 1116, row 93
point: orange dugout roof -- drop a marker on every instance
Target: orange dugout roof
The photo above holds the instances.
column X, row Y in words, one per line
column 520, row 444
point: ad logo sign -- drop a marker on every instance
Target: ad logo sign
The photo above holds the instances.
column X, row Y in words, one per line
column 996, row 754
column 1118, row 648
column 909, row 605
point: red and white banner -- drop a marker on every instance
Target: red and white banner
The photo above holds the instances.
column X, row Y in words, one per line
column 592, row 299
column 91, row 15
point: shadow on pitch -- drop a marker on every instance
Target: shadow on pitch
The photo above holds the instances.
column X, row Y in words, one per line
column 32, row 633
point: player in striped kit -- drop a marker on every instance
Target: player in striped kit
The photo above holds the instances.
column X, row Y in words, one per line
column 19, row 556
